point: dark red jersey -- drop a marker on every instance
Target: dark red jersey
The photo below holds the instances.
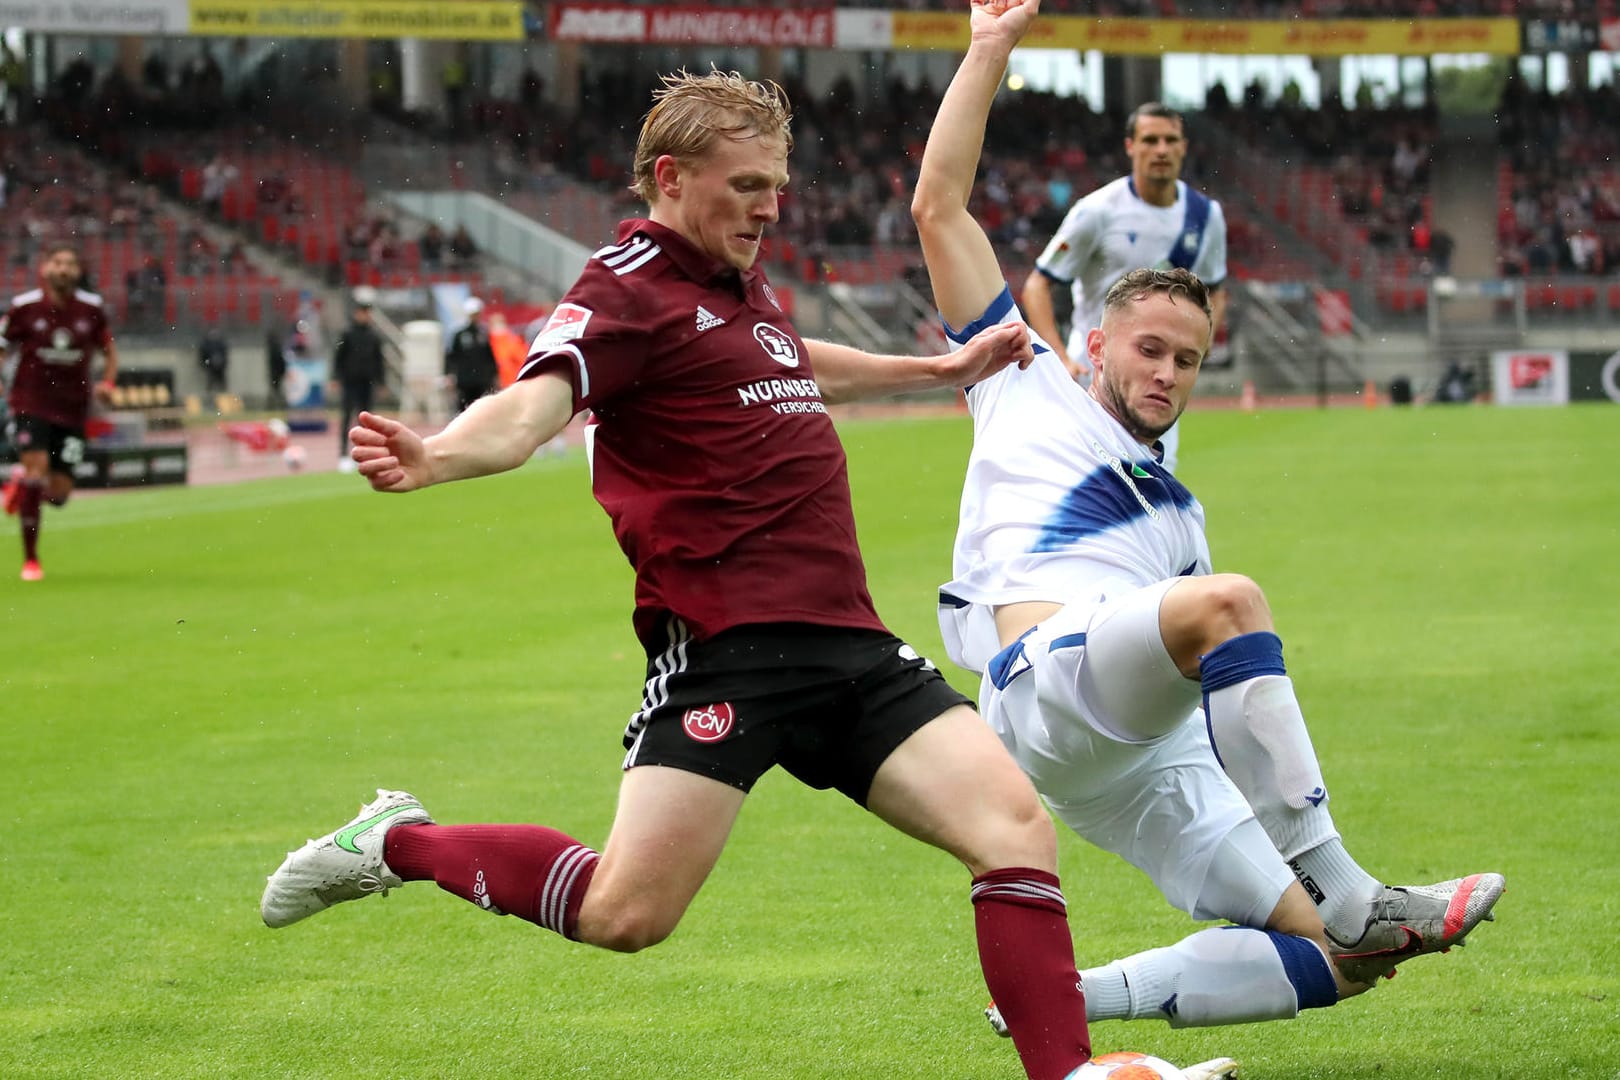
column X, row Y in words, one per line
column 711, row 449
column 55, row 345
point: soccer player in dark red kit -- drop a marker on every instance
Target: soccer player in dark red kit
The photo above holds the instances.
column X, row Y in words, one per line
column 56, row 331
column 713, row 454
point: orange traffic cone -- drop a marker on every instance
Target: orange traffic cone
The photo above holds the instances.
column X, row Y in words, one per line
column 1369, row 395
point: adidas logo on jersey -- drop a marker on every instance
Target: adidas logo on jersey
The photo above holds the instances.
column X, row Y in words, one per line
column 707, row 320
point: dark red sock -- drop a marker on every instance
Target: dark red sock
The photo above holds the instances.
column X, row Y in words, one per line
column 1028, row 961
column 28, row 515
column 530, row 871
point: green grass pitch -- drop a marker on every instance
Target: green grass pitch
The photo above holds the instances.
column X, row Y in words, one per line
column 208, row 676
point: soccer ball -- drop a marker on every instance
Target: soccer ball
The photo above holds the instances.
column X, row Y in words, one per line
column 293, row 455
column 1127, row 1065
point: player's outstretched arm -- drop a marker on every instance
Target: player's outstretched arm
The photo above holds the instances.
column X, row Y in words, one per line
column 962, row 266
column 497, row 432
column 848, row 374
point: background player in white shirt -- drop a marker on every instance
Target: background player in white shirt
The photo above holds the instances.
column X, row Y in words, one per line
column 1084, row 593
column 1149, row 218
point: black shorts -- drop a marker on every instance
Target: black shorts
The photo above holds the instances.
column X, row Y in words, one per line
column 65, row 445
column 827, row 704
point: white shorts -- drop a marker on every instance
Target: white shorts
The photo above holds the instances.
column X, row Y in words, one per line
column 1092, row 708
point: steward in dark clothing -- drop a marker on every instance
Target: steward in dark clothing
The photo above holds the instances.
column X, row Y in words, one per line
column 470, row 363
column 357, row 368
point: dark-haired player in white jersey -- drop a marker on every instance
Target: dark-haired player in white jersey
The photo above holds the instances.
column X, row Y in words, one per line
column 56, row 332
column 713, row 454
column 1084, row 593
column 1150, row 217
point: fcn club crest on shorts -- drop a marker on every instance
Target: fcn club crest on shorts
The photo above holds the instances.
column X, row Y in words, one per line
column 709, row 723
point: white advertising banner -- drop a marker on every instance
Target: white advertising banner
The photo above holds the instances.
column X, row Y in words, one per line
column 97, row 16
column 1530, row 377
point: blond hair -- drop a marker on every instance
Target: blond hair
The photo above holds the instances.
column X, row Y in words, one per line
column 690, row 111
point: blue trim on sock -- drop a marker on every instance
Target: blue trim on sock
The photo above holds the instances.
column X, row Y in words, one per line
column 1307, row 969
column 1239, row 659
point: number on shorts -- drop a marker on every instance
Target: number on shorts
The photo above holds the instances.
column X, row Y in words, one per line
column 72, row 450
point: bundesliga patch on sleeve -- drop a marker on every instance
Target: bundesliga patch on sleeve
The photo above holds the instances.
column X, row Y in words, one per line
column 567, row 323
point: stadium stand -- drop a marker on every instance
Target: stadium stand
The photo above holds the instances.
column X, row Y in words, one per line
column 1558, row 203
column 1332, row 194
column 154, row 264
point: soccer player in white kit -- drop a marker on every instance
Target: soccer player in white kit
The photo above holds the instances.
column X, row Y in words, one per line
column 1149, row 218
column 1083, row 592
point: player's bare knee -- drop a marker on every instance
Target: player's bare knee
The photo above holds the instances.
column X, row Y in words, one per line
column 1232, row 604
column 1020, row 835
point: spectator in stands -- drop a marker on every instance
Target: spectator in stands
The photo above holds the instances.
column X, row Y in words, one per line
column 214, row 356
column 462, row 248
column 1409, row 165
column 1441, row 245
column 383, row 250
column 155, row 74
column 196, row 252
column 146, row 289
column 358, row 368
column 1585, row 253
column 217, row 176
column 74, row 81
column 234, row 258
column 430, row 245
column 469, row 362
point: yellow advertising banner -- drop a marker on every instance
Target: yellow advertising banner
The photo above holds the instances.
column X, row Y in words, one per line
column 463, row 20
column 1301, row 37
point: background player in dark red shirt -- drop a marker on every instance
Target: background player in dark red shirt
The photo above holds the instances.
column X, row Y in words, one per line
column 56, row 331
column 714, row 456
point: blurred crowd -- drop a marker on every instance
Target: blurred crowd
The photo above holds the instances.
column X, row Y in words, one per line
column 855, row 162
column 1562, row 214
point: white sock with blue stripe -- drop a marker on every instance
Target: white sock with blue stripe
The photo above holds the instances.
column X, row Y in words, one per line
column 1226, row 975
column 1258, row 732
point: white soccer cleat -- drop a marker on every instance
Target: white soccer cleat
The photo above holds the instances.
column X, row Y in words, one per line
column 997, row 1024
column 1410, row 920
column 1214, row 1069
column 345, row 864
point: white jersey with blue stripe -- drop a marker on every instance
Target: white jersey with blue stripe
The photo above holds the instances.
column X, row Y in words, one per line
column 1113, row 231
column 1060, row 502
